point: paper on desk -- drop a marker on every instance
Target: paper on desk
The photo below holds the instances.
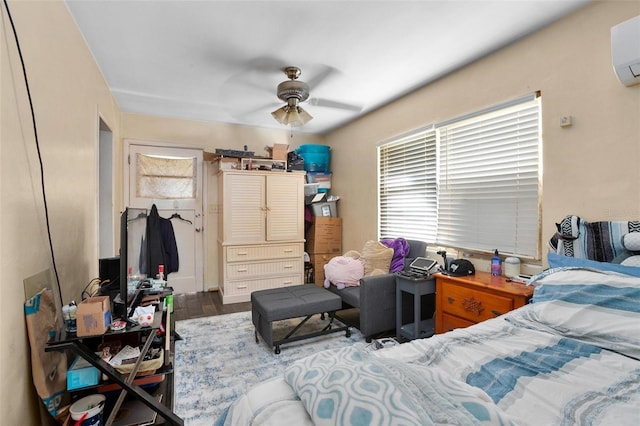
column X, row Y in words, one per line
column 126, row 353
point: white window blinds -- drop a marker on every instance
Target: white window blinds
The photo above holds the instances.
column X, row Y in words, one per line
column 489, row 180
column 469, row 183
column 407, row 187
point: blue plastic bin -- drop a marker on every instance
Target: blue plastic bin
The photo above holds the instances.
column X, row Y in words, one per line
column 316, row 157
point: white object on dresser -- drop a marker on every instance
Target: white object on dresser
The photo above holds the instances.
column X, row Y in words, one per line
column 261, row 232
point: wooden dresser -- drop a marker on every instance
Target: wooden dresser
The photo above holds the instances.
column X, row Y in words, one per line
column 464, row 301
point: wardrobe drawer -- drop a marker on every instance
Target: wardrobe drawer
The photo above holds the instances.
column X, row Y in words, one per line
column 280, row 267
column 473, row 305
column 235, row 288
column 271, row 251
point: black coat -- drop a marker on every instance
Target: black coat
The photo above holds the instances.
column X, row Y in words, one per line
column 160, row 245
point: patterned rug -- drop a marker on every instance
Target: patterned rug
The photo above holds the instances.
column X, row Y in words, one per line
column 218, row 359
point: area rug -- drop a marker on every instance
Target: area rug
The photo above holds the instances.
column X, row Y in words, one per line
column 218, row 359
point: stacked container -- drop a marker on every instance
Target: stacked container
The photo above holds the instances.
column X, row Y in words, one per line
column 316, row 164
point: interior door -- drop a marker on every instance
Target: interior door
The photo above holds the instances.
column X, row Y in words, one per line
column 171, row 178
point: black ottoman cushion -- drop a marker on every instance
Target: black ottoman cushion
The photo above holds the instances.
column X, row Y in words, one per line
column 293, row 302
column 297, row 301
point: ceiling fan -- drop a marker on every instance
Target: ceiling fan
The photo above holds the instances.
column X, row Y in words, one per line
column 292, row 91
column 249, row 93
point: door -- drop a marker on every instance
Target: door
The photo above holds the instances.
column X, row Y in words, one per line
column 171, row 178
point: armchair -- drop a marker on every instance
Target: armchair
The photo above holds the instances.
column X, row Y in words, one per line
column 375, row 297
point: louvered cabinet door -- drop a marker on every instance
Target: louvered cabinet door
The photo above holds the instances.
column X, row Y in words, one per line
column 243, row 208
column 285, row 207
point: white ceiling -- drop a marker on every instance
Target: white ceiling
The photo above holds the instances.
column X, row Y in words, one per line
column 221, row 60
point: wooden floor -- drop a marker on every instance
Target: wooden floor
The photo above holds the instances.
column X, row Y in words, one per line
column 204, row 304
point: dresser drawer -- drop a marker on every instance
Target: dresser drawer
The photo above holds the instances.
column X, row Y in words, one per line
column 272, row 251
column 279, row 267
column 245, row 287
column 473, row 305
column 449, row 322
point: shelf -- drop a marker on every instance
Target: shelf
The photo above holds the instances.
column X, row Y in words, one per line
column 266, row 164
column 427, row 329
column 128, row 386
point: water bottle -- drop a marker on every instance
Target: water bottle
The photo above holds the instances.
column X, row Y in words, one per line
column 69, row 314
column 496, row 266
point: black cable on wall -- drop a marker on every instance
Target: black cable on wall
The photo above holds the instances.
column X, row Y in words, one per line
column 35, row 133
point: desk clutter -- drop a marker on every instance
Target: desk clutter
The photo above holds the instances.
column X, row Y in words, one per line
column 133, row 353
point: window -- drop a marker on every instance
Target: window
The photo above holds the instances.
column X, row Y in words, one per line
column 470, row 183
column 407, row 187
column 164, row 177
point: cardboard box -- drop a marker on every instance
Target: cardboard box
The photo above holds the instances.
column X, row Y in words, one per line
column 325, row 236
column 81, row 374
column 318, row 261
column 93, row 316
column 279, row 151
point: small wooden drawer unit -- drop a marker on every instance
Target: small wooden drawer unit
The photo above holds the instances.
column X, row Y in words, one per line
column 468, row 300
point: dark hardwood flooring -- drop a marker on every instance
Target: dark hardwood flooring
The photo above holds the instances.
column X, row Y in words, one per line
column 204, row 304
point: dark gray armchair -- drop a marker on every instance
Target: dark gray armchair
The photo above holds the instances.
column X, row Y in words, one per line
column 375, row 297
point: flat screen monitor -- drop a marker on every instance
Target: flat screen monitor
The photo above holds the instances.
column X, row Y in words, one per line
column 133, row 223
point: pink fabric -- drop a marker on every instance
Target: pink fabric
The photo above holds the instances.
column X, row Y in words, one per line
column 343, row 271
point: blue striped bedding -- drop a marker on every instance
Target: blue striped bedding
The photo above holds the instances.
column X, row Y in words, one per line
column 572, row 357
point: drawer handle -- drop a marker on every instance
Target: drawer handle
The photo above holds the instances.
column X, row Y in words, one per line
column 288, row 266
column 242, row 287
column 242, row 270
column 496, row 313
column 472, row 305
column 242, row 253
column 450, row 299
column 288, row 282
column 288, row 250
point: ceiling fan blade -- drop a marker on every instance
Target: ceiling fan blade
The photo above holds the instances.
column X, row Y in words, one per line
column 262, row 109
column 324, row 72
column 334, row 104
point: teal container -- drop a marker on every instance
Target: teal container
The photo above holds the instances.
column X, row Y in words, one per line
column 316, row 157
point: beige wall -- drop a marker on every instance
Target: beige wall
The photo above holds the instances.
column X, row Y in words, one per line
column 68, row 95
column 590, row 169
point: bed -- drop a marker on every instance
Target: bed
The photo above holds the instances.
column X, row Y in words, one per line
column 572, row 356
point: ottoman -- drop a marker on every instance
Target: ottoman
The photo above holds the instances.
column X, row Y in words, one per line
column 296, row 301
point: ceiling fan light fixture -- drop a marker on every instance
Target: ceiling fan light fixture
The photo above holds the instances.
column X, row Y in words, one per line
column 280, row 114
column 304, row 115
column 291, row 115
column 292, row 92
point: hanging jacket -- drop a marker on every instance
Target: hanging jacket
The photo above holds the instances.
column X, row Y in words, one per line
column 161, row 247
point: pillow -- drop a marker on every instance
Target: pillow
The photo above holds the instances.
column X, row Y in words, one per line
column 351, row 386
column 597, row 307
column 377, row 258
column 343, row 270
column 632, row 261
column 631, row 241
column 401, row 249
column 559, row 261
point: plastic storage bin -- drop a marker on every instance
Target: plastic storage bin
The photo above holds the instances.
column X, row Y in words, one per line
column 323, row 179
column 316, row 157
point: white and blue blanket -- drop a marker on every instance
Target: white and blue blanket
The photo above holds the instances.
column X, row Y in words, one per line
column 572, row 356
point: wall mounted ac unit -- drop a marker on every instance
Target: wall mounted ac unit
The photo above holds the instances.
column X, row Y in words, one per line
column 625, row 51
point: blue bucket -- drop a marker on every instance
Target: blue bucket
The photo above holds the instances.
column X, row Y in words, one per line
column 316, row 157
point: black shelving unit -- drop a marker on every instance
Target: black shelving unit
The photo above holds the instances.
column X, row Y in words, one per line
column 81, row 346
